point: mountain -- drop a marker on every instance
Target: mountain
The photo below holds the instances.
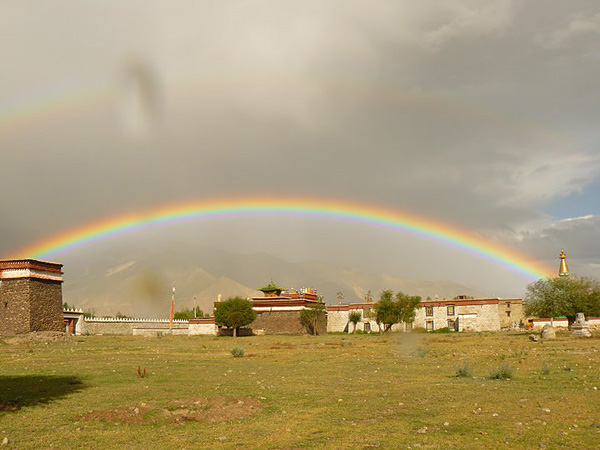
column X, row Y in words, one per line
column 138, row 281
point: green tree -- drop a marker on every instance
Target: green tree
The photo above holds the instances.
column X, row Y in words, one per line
column 354, row 317
column 234, row 313
column 312, row 317
column 187, row 314
column 563, row 296
column 407, row 304
column 391, row 309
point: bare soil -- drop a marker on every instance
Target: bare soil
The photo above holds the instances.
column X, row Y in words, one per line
column 202, row 409
column 38, row 336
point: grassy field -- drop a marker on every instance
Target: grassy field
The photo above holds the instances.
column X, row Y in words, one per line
column 287, row 392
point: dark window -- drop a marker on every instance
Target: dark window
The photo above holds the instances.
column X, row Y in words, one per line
column 367, row 326
column 451, row 310
column 429, row 310
column 508, row 313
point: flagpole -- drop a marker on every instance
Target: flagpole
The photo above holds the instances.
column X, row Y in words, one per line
column 172, row 309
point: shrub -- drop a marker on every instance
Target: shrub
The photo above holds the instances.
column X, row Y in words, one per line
column 464, row 371
column 312, row 317
column 502, row 372
column 442, row 330
column 237, row 352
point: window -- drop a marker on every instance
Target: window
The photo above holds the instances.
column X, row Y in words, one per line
column 451, row 324
column 367, row 327
column 507, row 313
column 429, row 325
column 429, row 310
column 451, row 310
column 508, row 305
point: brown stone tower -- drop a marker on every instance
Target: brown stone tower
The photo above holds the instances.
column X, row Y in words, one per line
column 563, row 271
column 30, row 296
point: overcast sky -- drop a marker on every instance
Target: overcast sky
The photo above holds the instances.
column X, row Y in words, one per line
column 482, row 114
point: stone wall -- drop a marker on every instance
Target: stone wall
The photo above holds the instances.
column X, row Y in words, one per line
column 281, row 322
column 478, row 317
column 30, row 296
column 28, row 304
column 46, row 305
column 14, row 306
column 337, row 321
column 511, row 313
column 203, row 327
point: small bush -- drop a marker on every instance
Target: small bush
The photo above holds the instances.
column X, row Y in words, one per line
column 546, row 369
column 464, row 371
column 502, row 372
column 237, row 352
column 442, row 330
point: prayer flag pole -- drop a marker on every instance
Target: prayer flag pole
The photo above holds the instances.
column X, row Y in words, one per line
column 172, row 309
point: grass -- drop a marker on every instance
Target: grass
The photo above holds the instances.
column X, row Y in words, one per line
column 362, row 391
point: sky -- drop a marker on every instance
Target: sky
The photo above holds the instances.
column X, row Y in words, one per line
column 479, row 114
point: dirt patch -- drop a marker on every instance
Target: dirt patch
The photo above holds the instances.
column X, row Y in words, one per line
column 283, row 346
column 202, row 409
column 38, row 336
column 8, row 405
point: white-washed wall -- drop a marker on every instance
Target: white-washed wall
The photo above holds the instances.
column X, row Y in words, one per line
column 337, row 322
column 203, row 329
column 483, row 317
column 111, row 325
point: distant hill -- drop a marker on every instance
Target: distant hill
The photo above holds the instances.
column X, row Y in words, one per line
column 139, row 281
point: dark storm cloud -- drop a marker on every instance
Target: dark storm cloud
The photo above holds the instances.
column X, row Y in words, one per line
column 479, row 114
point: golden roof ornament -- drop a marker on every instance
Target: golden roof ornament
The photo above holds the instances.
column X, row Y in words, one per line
column 563, row 271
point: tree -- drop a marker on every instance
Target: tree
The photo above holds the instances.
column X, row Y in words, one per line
column 389, row 311
column 187, row 314
column 563, row 296
column 354, row 317
column 407, row 305
column 234, row 313
column 312, row 317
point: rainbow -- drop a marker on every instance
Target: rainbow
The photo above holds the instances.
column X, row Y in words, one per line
column 364, row 214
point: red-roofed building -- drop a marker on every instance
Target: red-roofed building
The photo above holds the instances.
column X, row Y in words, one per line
column 278, row 312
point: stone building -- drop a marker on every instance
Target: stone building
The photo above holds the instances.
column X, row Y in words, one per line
column 470, row 314
column 30, row 296
column 278, row 312
column 460, row 314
